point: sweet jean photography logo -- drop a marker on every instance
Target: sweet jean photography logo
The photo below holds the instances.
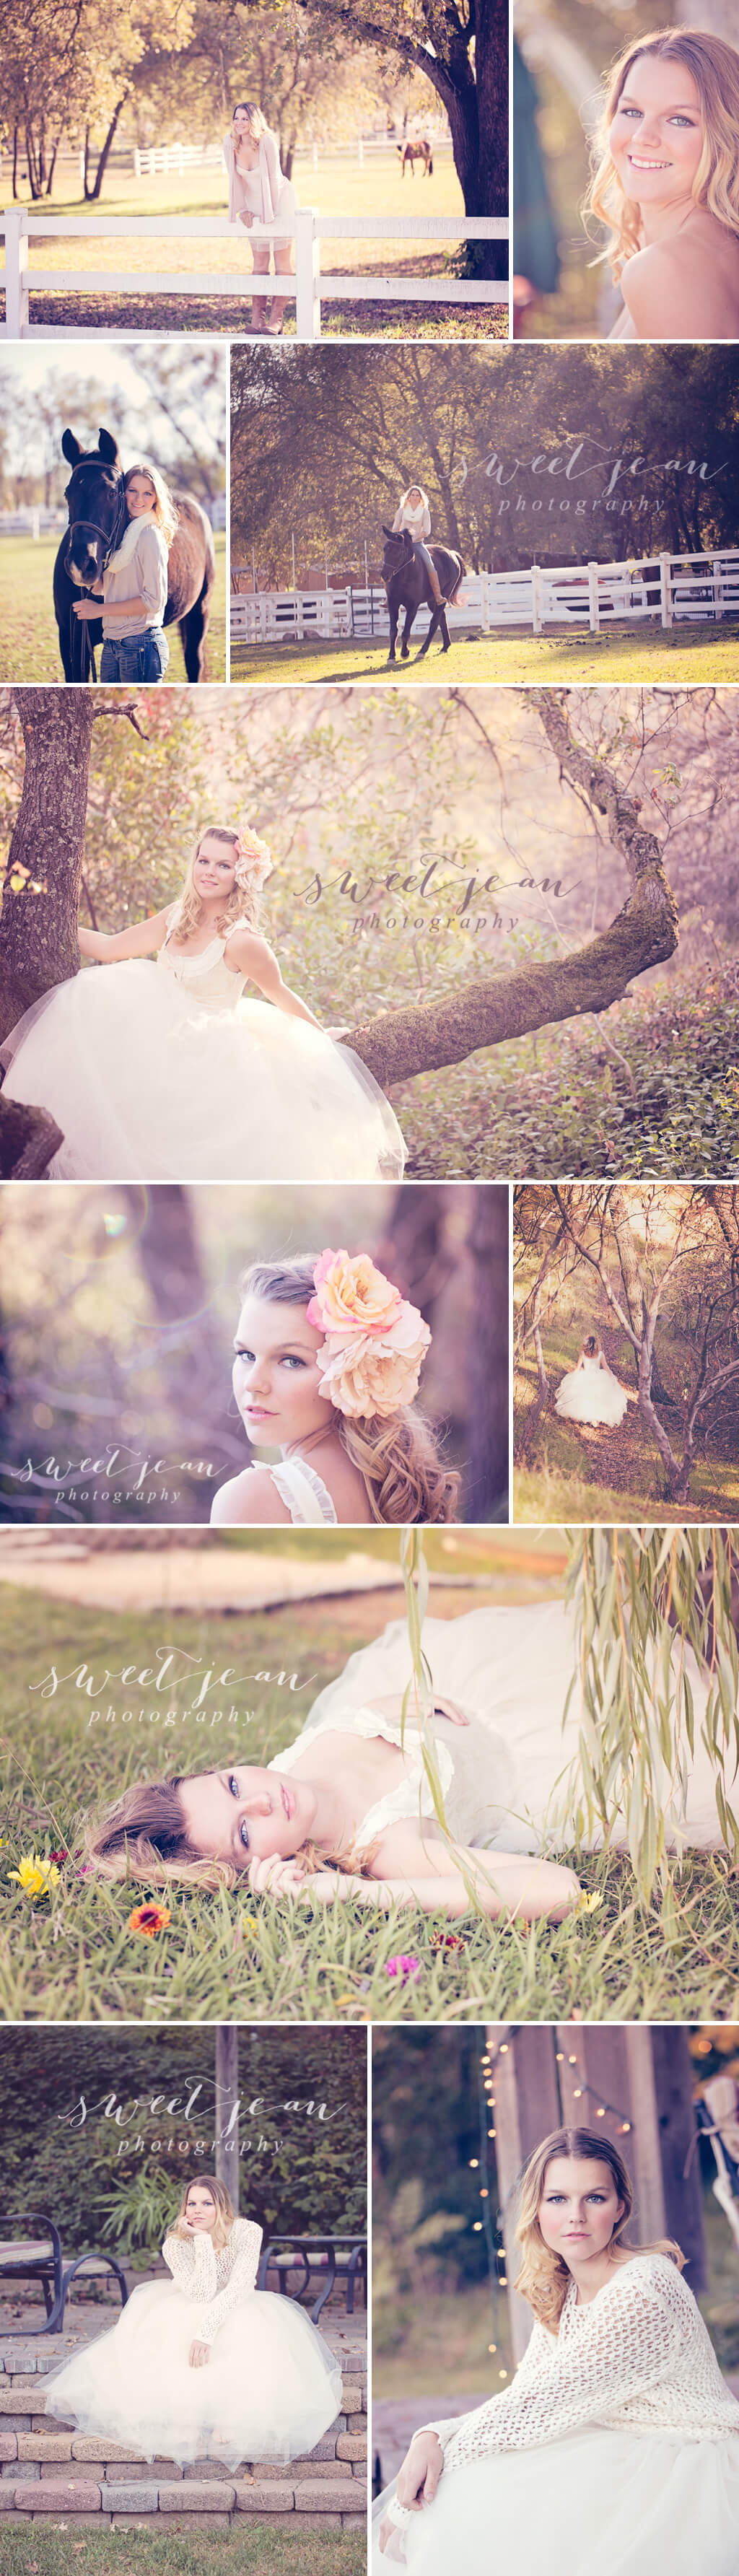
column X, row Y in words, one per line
column 178, row 1687
column 200, row 2126
column 117, row 1475
column 450, row 905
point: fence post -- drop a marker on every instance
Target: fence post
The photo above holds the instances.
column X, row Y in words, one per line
column 593, row 598
column 16, row 272
column 307, row 275
column 665, row 589
column 536, row 599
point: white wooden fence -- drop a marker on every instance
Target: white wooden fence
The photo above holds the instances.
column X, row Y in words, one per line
column 309, row 288
column 666, row 588
column 153, row 158
column 32, row 522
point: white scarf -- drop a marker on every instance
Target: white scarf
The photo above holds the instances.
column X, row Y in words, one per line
column 124, row 551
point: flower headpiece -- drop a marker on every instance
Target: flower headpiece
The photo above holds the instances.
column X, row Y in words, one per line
column 253, row 862
column 375, row 1342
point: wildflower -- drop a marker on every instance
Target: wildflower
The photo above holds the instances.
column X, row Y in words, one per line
column 403, row 1966
column 249, row 1923
column 588, row 1904
column 60, row 1856
column 36, row 1875
column 149, row 1919
column 447, row 1941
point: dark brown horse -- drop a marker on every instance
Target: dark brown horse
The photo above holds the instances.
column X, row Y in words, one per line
column 410, row 153
column 408, row 588
column 96, row 503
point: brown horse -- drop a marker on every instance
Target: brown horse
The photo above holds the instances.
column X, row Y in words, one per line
column 97, row 516
column 410, row 153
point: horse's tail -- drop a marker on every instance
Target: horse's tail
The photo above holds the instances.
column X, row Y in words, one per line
column 458, row 577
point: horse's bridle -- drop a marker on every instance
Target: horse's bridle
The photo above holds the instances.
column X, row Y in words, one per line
column 109, row 543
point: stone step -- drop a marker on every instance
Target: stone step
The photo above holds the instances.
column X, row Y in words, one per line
column 320, row 2502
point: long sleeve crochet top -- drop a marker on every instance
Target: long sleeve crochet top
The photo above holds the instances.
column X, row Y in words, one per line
column 215, row 2277
column 638, row 2357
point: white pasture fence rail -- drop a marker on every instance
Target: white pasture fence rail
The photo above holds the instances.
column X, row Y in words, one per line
column 155, row 158
column 32, row 522
column 667, row 588
column 309, row 287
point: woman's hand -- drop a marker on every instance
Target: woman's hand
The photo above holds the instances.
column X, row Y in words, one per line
column 198, row 2354
column 245, row 216
column 449, row 1708
column 277, row 1877
column 419, row 2476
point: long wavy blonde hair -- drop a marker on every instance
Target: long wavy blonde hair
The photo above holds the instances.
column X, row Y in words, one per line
column 164, row 512
column 544, row 2277
column 144, row 1836
column 404, row 1475
column 715, row 70
column 224, row 2208
column 242, row 905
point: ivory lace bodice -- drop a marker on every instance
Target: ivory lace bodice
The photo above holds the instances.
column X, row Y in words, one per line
column 638, row 2357
column 212, row 984
column 216, row 2278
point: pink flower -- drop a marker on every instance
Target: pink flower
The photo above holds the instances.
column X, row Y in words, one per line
column 375, row 1342
column 403, row 1966
column 352, row 1296
column 253, row 862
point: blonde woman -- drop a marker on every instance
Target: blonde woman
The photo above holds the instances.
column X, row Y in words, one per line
column 618, row 2433
column 666, row 182
column 204, row 2366
column 414, row 515
column 347, row 1811
column 167, row 1071
column 259, row 193
column 327, row 1362
column 134, row 586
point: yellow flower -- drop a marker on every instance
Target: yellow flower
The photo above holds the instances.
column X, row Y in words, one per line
column 35, row 1875
column 249, row 1923
column 588, row 1904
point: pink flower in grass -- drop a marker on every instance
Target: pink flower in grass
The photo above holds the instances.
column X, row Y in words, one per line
column 403, row 1966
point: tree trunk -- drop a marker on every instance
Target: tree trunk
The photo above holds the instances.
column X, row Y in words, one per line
column 91, row 194
column 227, row 2108
column 15, row 163
column 491, row 259
column 486, row 1495
column 38, row 929
column 193, row 1363
column 628, row 1262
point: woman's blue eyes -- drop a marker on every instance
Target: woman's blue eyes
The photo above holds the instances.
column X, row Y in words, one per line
column 243, row 1828
column 291, row 1359
column 677, row 119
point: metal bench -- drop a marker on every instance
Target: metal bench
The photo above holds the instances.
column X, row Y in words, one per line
column 38, row 2257
column 310, row 2255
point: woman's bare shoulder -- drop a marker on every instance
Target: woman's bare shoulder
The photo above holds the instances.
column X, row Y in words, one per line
column 251, row 1497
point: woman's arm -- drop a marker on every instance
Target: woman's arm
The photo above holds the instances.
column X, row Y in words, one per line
column 241, row 2283
column 247, row 954
column 506, row 1885
column 140, row 941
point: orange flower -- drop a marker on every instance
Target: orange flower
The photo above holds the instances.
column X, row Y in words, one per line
column 149, row 1919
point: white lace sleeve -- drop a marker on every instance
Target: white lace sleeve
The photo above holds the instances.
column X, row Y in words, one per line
column 240, row 2282
column 620, row 2350
column 192, row 2264
column 633, row 2340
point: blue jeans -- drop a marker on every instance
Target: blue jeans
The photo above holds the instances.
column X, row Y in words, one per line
column 135, row 657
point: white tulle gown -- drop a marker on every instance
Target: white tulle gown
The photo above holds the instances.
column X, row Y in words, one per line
column 165, row 1072
column 271, row 2386
column 591, row 1393
column 505, row 1775
column 614, row 2452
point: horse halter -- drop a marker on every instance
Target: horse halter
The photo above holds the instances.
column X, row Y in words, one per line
column 109, row 541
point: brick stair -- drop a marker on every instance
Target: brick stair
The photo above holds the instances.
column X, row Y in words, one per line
column 69, row 2474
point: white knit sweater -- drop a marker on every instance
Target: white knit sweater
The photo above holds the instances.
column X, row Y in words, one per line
column 217, row 2278
column 637, row 2357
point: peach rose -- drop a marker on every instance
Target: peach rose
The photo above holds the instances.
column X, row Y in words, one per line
column 377, row 1373
column 253, row 862
column 352, row 1296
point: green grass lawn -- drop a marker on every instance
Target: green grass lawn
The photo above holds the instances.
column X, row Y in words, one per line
column 29, row 649
column 685, row 653
column 226, row 1956
column 338, row 187
column 250, row 2550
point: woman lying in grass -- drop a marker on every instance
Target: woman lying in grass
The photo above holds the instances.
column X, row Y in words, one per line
column 349, row 1810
